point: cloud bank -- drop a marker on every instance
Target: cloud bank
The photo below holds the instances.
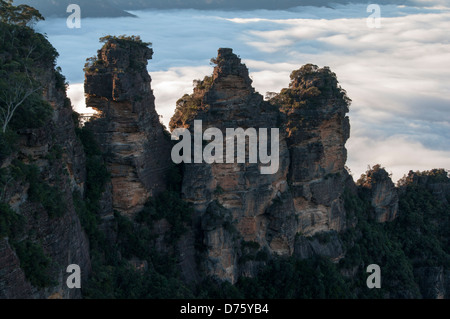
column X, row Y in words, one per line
column 397, row 75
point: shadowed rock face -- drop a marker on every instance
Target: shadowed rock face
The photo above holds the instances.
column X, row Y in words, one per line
column 315, row 110
column 433, row 282
column 381, row 192
column 61, row 237
column 137, row 149
column 236, row 196
column 304, row 195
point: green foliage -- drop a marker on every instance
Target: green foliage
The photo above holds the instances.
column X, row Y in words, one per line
column 285, row 278
column 216, row 289
column 418, row 237
column 310, row 87
column 170, row 206
column 34, row 114
column 188, row 105
column 21, row 15
column 121, row 281
column 41, row 192
column 34, row 263
column 11, row 224
column 252, row 245
column 134, row 238
column 61, row 82
column 219, row 190
column 97, row 177
column 97, row 173
column 7, row 144
column 112, row 275
column 436, row 175
column 124, row 40
column 24, row 57
column 431, row 177
column 91, row 147
column 89, row 219
column 204, row 84
column 250, row 251
column 369, row 244
column 55, row 153
column 230, row 227
column 422, row 227
column 96, row 65
column 323, row 237
column 175, row 178
column 373, row 175
column 262, row 255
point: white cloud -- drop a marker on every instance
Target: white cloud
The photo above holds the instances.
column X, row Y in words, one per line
column 169, row 86
column 75, row 93
column 397, row 154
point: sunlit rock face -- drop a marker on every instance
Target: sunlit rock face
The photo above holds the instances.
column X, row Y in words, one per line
column 127, row 127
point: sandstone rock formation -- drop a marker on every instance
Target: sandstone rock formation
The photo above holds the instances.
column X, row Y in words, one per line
column 317, row 126
column 235, row 204
column 127, row 127
column 326, row 244
column 382, row 193
column 232, row 201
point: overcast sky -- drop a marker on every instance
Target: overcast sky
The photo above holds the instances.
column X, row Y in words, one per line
column 397, row 75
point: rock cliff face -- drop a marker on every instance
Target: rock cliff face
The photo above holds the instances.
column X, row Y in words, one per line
column 315, row 110
column 127, row 126
column 233, row 200
column 382, row 193
column 433, row 282
column 59, row 157
column 237, row 206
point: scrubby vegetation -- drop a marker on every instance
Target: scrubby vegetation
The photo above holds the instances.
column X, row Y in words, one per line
column 125, row 40
column 113, row 273
column 34, row 263
column 188, row 105
column 309, row 87
column 417, row 238
column 24, row 54
column 39, row 191
column 132, row 43
column 27, row 66
column 11, row 224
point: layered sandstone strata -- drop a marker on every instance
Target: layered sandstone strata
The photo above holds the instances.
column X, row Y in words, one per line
column 127, row 127
column 237, row 206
